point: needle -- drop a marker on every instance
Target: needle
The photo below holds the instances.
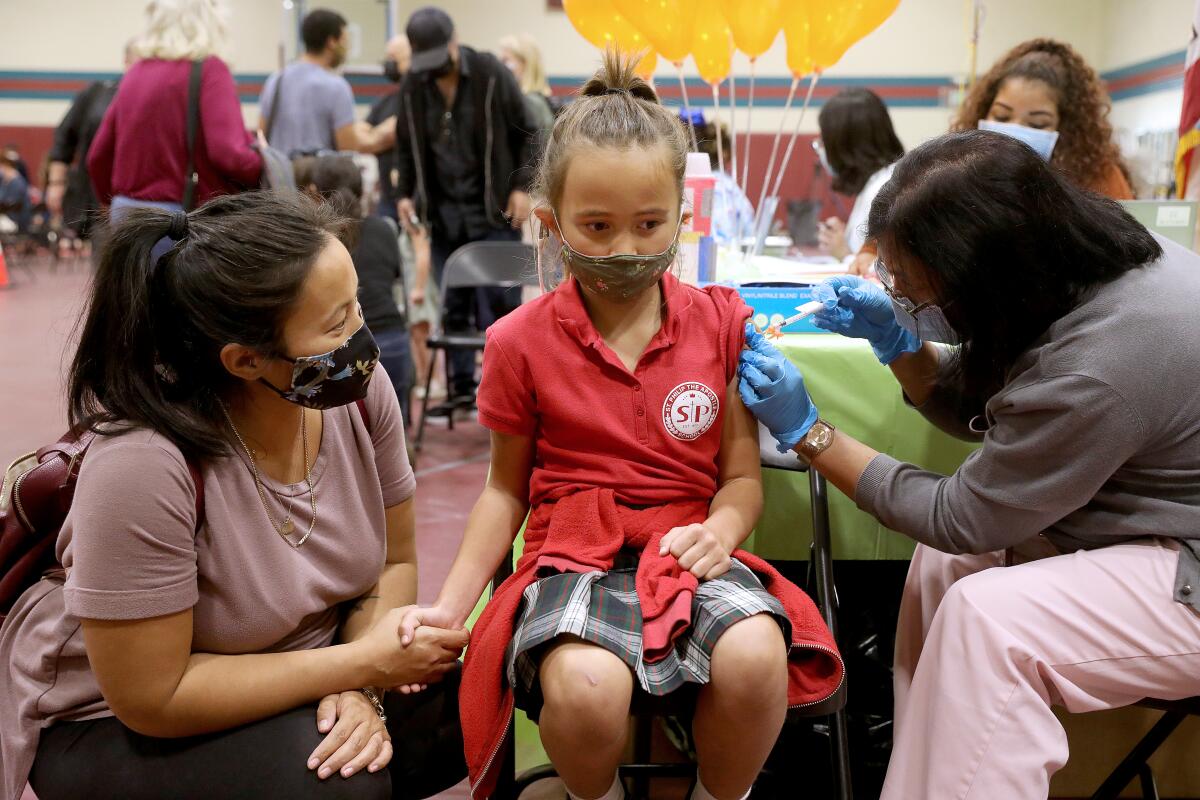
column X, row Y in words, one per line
column 806, row 310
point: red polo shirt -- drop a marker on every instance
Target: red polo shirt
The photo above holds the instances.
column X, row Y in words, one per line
column 652, row 435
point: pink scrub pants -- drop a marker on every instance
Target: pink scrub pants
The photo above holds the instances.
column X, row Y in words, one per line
column 983, row 651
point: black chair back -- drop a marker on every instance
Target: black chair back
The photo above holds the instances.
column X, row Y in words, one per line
column 481, row 264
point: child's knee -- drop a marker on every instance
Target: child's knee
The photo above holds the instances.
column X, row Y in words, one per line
column 588, row 684
column 751, row 657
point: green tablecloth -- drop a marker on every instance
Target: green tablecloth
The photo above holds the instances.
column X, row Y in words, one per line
column 858, row 395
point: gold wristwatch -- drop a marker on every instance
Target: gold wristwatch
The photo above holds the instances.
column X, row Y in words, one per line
column 815, row 442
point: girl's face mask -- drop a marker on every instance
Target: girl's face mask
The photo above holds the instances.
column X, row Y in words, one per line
column 1041, row 141
column 620, row 276
column 332, row 379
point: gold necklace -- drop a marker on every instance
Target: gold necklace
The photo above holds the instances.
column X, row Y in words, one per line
column 287, row 527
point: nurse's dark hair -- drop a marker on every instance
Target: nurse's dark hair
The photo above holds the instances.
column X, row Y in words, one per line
column 1008, row 244
column 615, row 108
column 858, row 136
column 151, row 335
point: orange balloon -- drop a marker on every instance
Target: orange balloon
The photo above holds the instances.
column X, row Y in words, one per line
column 712, row 42
column 600, row 23
column 645, row 68
column 667, row 24
column 796, row 35
column 755, row 24
column 832, row 30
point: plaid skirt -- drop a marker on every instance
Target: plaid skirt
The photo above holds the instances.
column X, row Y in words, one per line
column 602, row 608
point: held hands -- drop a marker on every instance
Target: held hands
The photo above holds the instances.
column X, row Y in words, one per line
column 355, row 736
column 773, row 389
column 698, row 550
column 412, row 665
column 857, row 308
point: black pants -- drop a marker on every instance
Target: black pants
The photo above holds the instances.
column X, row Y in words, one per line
column 101, row 759
column 470, row 309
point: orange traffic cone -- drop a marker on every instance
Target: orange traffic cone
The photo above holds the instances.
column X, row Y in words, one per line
column 3, row 270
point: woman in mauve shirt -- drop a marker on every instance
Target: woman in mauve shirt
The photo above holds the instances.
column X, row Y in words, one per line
column 140, row 154
column 240, row 548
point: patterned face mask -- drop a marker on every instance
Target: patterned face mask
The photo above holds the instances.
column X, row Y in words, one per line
column 620, row 276
column 332, row 379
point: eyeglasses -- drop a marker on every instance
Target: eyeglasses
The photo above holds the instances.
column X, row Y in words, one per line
column 889, row 286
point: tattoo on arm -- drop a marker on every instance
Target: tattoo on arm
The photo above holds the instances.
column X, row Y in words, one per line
column 362, row 601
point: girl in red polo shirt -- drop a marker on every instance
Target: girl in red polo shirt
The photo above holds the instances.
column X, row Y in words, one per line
column 617, row 427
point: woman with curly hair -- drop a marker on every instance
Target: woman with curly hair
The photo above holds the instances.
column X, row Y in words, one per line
column 1046, row 85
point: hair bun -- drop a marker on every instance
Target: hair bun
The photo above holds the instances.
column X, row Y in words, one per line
column 618, row 76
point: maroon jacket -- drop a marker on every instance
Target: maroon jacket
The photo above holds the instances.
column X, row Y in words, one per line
column 141, row 148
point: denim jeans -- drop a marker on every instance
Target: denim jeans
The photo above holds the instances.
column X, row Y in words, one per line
column 396, row 356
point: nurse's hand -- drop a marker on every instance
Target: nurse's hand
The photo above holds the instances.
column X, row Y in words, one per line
column 773, row 389
column 858, row 308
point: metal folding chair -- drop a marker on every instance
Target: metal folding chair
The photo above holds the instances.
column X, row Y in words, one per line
column 644, row 709
column 1136, row 763
column 475, row 265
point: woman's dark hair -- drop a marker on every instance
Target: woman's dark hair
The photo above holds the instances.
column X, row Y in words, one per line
column 1009, row 245
column 149, row 349
column 859, row 139
column 339, row 182
column 1085, row 150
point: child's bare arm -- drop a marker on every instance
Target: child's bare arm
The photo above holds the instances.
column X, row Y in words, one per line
column 704, row 549
column 491, row 529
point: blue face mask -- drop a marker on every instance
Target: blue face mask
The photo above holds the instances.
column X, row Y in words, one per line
column 819, row 148
column 1042, row 142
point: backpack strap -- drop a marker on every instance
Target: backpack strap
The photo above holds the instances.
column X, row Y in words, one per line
column 274, row 105
column 190, row 178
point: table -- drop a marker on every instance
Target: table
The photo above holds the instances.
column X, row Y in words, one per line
column 857, row 395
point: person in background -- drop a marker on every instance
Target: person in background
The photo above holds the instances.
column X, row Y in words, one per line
column 414, row 238
column 376, row 256
column 858, row 147
column 398, row 55
column 15, row 203
column 1044, row 93
column 464, row 163
column 732, row 213
column 307, row 108
column 69, row 193
column 139, row 155
column 13, row 153
column 521, row 54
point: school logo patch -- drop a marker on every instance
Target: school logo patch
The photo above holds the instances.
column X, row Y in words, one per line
column 690, row 410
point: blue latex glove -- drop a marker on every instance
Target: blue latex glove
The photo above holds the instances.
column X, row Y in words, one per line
column 857, row 308
column 773, row 389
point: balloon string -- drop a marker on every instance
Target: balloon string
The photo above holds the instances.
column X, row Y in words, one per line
column 749, row 114
column 812, row 85
column 716, row 87
column 686, row 110
column 734, row 135
column 762, row 195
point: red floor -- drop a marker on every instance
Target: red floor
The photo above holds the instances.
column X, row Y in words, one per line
column 37, row 317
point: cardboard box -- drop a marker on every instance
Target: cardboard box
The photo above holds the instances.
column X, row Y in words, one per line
column 776, row 301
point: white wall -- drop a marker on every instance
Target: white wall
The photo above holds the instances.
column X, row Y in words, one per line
column 923, row 38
